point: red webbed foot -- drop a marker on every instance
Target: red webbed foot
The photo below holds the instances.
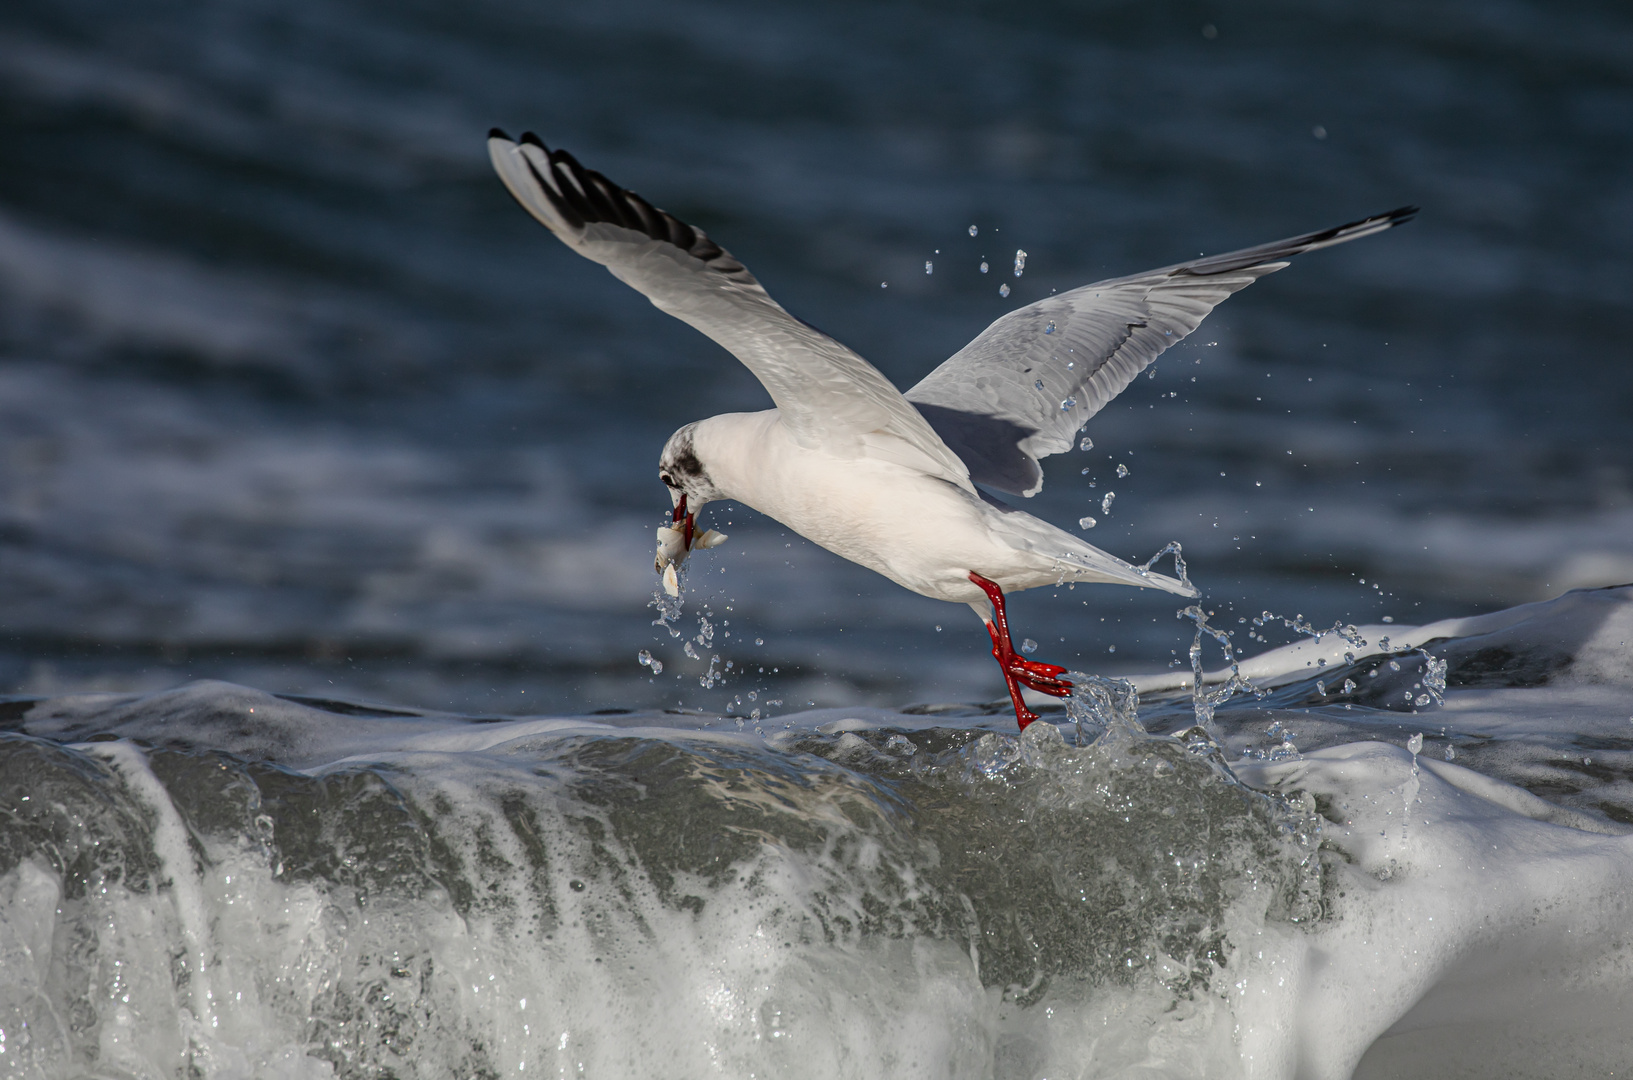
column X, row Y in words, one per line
column 1044, row 678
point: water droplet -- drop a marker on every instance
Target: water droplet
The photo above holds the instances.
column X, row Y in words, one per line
column 929, row 267
column 759, row 641
column 1068, row 405
column 1349, row 686
column 1038, row 383
column 1003, row 290
column 645, row 657
column 1321, row 688
column 1028, row 646
column 1086, row 523
column 1020, row 262
column 884, row 284
column 657, row 667
column 1049, row 328
column 1086, row 444
column 973, row 230
column 1319, row 132
column 1105, row 503
column 983, row 266
column 1122, row 470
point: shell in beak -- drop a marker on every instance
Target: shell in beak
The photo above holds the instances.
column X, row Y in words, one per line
column 676, row 540
column 672, row 548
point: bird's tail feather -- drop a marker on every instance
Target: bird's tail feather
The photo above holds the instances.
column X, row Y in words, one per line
column 1093, row 564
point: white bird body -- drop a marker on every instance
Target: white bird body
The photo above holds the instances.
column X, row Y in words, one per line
column 917, row 529
column 882, row 478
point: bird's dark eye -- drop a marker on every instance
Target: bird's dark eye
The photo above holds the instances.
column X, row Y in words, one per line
column 667, row 479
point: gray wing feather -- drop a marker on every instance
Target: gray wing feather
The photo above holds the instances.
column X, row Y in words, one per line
column 827, row 395
column 1025, row 386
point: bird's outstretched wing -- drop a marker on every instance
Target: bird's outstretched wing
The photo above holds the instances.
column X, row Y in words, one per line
column 1023, row 388
column 827, row 395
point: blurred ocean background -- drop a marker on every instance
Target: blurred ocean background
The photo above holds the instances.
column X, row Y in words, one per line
column 293, row 394
column 337, row 474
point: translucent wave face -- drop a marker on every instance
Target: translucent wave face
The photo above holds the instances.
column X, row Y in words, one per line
column 628, row 903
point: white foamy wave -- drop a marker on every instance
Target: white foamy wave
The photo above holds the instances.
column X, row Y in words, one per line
column 220, row 880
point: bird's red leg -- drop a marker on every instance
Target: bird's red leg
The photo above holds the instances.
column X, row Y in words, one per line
column 1044, row 678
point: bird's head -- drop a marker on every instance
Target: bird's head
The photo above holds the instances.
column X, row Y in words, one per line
column 687, row 479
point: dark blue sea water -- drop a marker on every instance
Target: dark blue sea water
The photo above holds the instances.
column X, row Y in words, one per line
column 292, row 393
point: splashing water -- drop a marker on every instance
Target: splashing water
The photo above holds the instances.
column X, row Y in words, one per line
column 1020, row 262
column 1434, row 678
column 1174, row 548
column 1205, row 701
column 1105, row 503
column 1086, row 443
column 669, row 607
column 1003, row 290
column 1103, row 708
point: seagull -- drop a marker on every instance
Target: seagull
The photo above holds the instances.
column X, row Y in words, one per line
column 898, row 482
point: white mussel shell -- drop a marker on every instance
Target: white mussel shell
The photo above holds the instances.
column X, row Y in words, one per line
column 671, row 546
column 671, row 580
column 709, row 539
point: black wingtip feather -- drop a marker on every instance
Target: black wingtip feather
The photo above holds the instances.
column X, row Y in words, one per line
column 558, row 199
column 583, row 196
column 1281, row 250
column 498, row 133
